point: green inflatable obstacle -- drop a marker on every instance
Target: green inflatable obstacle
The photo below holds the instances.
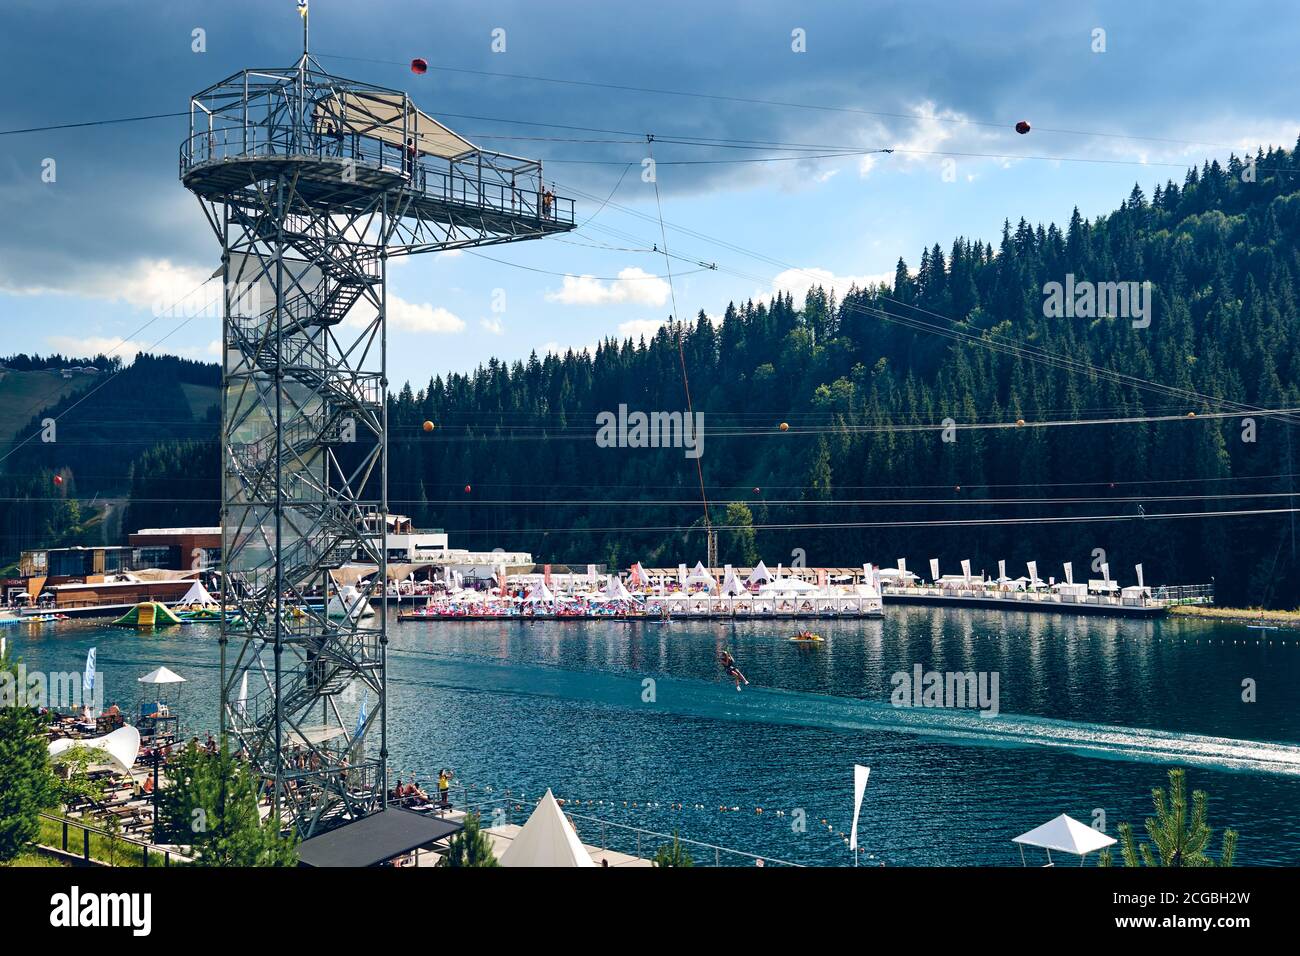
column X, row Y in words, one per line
column 148, row 614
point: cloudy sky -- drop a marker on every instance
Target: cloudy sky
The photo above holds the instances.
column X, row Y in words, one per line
column 97, row 259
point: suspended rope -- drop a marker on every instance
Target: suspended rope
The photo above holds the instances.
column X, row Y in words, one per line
column 681, row 348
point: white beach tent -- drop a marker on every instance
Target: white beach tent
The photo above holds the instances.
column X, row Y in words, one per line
column 197, row 594
column 122, row 746
column 161, row 675
column 731, row 584
column 895, row 576
column 760, row 573
column 615, row 591
column 547, row 839
column 787, row 586
column 540, row 595
column 701, row 576
column 1066, row 835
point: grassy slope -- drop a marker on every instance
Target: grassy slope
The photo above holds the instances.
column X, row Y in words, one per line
column 24, row 394
column 200, row 397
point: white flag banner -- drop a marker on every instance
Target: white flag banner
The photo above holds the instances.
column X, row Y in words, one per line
column 1138, row 568
column 860, row 774
column 1069, row 573
column 88, row 675
column 1002, row 570
column 934, row 570
column 902, row 566
column 965, row 570
column 1033, row 572
column 1105, row 572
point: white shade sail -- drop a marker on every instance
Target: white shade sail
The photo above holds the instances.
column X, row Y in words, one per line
column 547, row 839
column 121, row 747
column 379, row 115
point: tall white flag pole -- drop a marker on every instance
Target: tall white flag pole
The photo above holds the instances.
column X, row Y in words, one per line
column 860, row 774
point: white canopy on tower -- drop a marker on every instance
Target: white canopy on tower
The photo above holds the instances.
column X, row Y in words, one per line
column 379, row 116
column 547, row 839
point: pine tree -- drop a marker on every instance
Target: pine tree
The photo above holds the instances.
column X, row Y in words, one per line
column 1177, row 839
column 469, row 847
column 27, row 784
column 210, row 805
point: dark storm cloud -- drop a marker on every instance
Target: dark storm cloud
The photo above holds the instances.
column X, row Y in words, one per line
column 117, row 198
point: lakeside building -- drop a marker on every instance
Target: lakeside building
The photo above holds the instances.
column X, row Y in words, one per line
column 176, row 548
column 429, row 548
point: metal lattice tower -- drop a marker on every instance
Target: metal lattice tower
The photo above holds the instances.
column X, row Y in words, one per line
column 311, row 183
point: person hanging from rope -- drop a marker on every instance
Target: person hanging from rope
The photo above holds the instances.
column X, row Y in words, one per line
column 729, row 665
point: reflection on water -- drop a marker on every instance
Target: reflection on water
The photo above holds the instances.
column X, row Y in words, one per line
column 525, row 706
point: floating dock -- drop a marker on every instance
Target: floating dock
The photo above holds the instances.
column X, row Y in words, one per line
column 1050, row 602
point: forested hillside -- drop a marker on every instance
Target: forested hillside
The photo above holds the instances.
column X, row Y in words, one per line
column 852, row 379
column 865, row 379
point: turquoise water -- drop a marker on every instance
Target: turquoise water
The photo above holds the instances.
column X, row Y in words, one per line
column 1091, row 712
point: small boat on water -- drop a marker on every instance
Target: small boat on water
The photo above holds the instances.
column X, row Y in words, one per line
column 806, row 637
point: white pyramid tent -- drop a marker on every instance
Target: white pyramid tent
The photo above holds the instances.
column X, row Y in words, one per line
column 701, row 576
column 731, row 584
column 197, row 594
column 161, row 675
column 546, row 839
column 540, row 595
column 615, row 591
column 1066, row 835
column 760, row 573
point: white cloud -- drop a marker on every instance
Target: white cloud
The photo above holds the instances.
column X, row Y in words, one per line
column 799, row 281
column 492, row 326
column 422, row 317
column 633, row 285
column 404, row 316
column 638, row 328
column 92, row 345
column 159, row 285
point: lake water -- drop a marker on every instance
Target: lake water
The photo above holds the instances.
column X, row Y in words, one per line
column 1092, row 711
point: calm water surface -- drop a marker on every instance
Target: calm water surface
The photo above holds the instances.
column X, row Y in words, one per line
column 1092, row 711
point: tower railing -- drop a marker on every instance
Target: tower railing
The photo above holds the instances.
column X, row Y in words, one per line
column 478, row 180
